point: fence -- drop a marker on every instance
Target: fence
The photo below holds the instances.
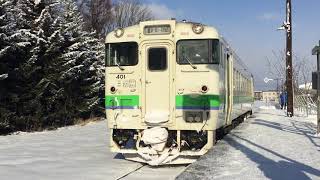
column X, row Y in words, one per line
column 306, row 104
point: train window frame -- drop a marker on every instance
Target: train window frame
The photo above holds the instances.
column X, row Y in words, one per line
column 167, row 57
column 107, row 56
column 221, row 62
column 210, row 60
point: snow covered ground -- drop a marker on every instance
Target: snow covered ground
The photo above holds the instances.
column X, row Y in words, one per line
column 77, row 152
column 267, row 146
column 310, row 118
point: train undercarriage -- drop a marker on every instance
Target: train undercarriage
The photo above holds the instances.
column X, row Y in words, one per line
column 158, row 145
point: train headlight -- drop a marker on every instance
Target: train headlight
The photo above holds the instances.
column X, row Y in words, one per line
column 198, row 118
column 197, row 28
column 118, row 32
column 189, row 118
column 194, row 116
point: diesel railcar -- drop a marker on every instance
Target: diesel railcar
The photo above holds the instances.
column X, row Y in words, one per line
column 171, row 87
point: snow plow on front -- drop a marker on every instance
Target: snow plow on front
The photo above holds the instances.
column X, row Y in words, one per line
column 170, row 88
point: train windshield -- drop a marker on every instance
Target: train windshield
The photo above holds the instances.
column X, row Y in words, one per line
column 198, row 51
column 122, row 54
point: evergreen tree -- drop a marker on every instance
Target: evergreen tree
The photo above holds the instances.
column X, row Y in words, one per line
column 15, row 44
column 83, row 63
column 51, row 71
column 68, row 86
column 45, row 57
column 5, row 46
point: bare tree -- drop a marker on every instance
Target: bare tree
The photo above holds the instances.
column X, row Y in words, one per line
column 129, row 12
column 102, row 16
column 97, row 15
column 304, row 98
column 301, row 68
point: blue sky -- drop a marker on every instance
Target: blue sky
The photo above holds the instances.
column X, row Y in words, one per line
column 250, row 26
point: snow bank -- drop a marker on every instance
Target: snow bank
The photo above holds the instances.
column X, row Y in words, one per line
column 267, row 107
column 304, row 117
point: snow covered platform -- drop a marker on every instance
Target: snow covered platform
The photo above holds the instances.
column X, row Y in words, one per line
column 76, row 152
column 266, row 146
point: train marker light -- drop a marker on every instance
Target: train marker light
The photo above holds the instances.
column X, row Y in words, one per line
column 113, row 89
column 197, row 28
column 118, row 32
column 204, row 89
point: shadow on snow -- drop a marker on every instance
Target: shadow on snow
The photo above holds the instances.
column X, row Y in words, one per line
column 281, row 170
column 300, row 128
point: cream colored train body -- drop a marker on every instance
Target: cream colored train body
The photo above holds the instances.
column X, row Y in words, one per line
column 170, row 88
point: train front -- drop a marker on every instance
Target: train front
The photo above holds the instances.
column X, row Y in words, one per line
column 162, row 91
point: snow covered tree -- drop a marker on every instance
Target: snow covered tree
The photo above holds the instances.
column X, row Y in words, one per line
column 68, row 85
column 4, row 69
column 83, row 63
column 51, row 70
column 15, row 44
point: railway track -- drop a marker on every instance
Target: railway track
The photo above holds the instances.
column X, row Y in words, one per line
column 128, row 174
column 170, row 171
column 161, row 172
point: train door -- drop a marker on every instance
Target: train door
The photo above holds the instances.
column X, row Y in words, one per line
column 157, row 81
column 229, row 89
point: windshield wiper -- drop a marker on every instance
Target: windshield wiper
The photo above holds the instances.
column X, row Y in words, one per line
column 116, row 61
column 121, row 68
column 193, row 66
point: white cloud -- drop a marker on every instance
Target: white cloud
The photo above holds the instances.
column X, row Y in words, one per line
column 161, row 11
column 269, row 16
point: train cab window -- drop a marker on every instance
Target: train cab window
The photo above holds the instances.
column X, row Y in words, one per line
column 157, row 59
column 122, row 54
column 198, row 51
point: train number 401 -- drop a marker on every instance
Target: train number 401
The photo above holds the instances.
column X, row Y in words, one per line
column 122, row 76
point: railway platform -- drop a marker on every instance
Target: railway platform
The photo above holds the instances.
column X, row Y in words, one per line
column 268, row 145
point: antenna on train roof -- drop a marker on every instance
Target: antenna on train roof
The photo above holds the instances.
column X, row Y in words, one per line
column 184, row 20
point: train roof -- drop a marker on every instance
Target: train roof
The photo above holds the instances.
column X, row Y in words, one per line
column 179, row 30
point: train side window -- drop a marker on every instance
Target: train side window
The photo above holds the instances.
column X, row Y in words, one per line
column 239, row 83
column 215, row 53
column 222, row 56
column 157, row 59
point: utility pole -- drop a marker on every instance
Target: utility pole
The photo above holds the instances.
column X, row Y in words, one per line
column 288, row 27
column 316, row 51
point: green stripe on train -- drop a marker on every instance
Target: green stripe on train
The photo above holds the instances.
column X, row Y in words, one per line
column 181, row 100
column 242, row 99
column 198, row 100
column 238, row 99
column 122, row 100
